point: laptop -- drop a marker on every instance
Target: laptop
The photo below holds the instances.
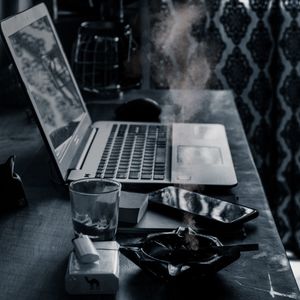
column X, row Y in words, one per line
column 130, row 152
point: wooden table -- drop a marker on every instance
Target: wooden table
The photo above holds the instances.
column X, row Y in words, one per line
column 35, row 241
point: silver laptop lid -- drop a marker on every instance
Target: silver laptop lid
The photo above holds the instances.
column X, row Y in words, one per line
column 48, row 80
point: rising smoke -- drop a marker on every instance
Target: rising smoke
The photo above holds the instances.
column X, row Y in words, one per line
column 182, row 54
column 179, row 62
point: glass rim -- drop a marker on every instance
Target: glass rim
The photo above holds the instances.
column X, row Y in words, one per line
column 117, row 183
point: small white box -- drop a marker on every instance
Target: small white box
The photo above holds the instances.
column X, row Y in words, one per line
column 100, row 277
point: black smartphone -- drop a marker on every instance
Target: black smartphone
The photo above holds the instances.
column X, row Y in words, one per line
column 200, row 209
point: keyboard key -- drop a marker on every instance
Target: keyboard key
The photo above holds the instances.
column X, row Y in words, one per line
column 134, row 175
column 160, row 155
column 108, row 176
column 121, row 175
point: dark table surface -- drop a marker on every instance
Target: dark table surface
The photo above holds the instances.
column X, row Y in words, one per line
column 35, row 241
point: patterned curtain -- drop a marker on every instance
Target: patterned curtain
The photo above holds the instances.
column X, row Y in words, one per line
column 253, row 48
column 286, row 201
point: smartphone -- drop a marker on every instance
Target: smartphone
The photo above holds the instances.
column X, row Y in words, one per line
column 200, row 209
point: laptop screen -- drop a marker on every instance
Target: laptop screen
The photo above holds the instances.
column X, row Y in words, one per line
column 49, row 82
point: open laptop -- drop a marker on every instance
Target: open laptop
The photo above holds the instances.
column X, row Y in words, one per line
column 174, row 153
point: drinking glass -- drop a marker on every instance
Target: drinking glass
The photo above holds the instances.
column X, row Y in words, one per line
column 95, row 207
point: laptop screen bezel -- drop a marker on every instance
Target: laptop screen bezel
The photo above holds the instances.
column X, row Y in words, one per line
column 9, row 27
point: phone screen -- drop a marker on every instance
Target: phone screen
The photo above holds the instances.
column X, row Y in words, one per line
column 201, row 205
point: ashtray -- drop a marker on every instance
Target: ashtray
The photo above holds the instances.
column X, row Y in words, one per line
column 182, row 253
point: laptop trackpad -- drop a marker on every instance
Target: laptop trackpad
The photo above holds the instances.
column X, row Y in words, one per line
column 189, row 155
column 201, row 155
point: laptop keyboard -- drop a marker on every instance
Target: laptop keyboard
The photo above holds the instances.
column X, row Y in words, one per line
column 136, row 152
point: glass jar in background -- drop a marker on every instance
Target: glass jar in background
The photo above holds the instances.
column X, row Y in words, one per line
column 97, row 58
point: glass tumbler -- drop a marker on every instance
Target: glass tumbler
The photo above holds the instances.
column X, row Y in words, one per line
column 95, row 207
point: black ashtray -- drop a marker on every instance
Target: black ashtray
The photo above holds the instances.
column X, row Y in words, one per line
column 182, row 253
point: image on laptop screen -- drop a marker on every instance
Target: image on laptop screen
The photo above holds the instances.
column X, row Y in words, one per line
column 49, row 82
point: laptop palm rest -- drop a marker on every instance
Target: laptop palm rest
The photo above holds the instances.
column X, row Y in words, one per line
column 200, row 153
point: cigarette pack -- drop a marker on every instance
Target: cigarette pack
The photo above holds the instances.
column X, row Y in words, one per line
column 99, row 277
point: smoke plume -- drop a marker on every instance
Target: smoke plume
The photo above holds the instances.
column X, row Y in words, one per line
column 180, row 50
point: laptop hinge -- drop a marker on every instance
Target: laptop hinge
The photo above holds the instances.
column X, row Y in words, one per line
column 78, row 173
